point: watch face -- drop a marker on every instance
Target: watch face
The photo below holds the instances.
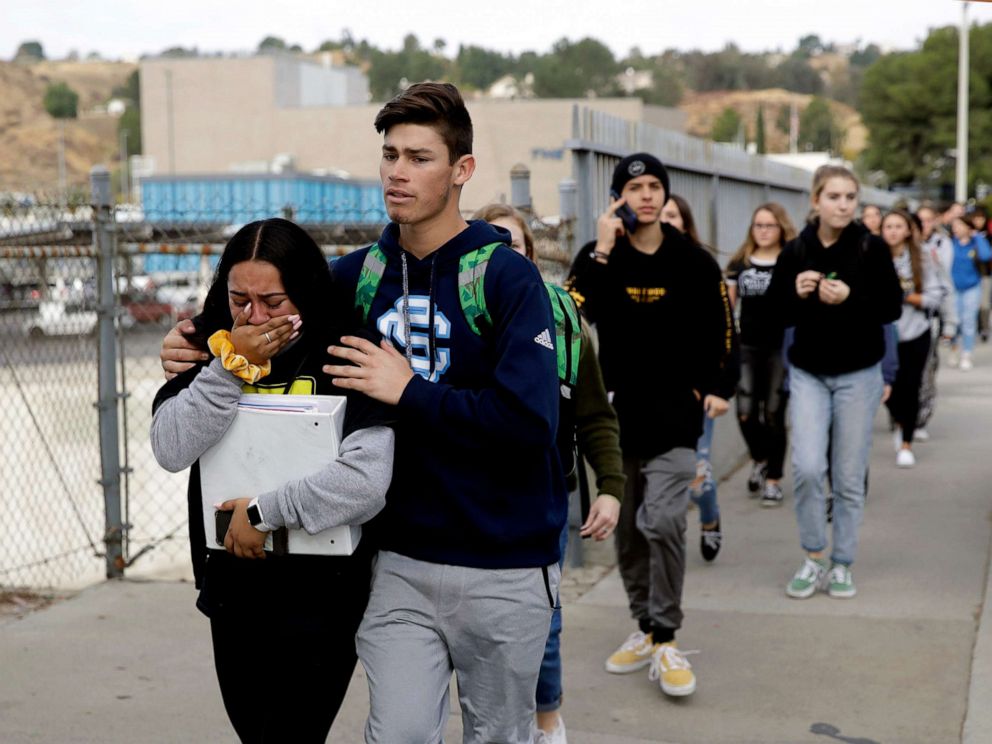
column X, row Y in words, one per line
column 254, row 517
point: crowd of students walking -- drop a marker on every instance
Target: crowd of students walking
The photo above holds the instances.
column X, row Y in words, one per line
column 470, row 383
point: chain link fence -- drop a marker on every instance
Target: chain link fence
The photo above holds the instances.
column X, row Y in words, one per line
column 52, row 530
column 78, row 374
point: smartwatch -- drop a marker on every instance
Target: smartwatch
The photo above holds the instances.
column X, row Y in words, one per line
column 255, row 517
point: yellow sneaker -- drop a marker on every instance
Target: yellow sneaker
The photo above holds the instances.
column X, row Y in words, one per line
column 668, row 665
column 634, row 654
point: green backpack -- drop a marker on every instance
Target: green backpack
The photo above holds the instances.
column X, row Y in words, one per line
column 472, row 297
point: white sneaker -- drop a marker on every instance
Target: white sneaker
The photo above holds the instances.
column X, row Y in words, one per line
column 555, row 737
column 921, row 435
column 966, row 363
column 905, row 459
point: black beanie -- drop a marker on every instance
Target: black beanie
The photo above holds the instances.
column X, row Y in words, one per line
column 639, row 164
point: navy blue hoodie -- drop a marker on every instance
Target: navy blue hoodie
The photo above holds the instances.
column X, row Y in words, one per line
column 476, row 478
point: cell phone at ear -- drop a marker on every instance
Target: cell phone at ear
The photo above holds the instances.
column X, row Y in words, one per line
column 625, row 213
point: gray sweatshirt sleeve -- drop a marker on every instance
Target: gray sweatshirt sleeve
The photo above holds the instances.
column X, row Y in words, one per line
column 186, row 426
column 350, row 490
column 933, row 289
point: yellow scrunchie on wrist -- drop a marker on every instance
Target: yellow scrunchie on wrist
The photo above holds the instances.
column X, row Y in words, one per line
column 221, row 346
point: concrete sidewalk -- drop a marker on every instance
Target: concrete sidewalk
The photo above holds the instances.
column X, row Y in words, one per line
column 131, row 662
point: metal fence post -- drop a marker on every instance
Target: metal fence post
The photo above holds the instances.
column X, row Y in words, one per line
column 104, row 245
column 568, row 208
column 520, row 187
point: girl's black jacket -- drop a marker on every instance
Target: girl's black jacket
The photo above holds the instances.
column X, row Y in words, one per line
column 837, row 339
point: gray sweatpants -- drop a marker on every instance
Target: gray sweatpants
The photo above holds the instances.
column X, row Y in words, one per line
column 651, row 534
column 425, row 620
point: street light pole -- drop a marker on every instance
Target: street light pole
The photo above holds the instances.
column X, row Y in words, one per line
column 961, row 180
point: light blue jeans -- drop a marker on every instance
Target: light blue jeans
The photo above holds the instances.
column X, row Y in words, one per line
column 705, row 497
column 841, row 408
column 968, row 301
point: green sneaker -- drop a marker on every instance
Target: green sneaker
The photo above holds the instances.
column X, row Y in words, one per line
column 808, row 579
column 840, row 583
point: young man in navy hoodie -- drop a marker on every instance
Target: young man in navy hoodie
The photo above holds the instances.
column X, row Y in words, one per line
column 467, row 574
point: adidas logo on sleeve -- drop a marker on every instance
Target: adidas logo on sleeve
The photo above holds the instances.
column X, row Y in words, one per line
column 544, row 339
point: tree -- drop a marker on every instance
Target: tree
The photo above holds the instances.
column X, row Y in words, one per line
column 783, row 121
column 726, row 127
column 29, row 51
column 666, row 86
column 389, row 72
column 479, row 68
column 759, row 132
column 817, row 129
column 865, row 57
column 809, row 46
column 61, row 101
column 130, row 122
column 796, row 75
column 909, row 104
column 576, row 69
column 271, row 44
column 179, row 52
column 130, row 90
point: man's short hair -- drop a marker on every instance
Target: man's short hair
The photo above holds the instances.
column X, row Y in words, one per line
column 438, row 105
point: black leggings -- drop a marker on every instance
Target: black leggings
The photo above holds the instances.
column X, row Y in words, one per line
column 284, row 658
column 761, row 403
column 904, row 402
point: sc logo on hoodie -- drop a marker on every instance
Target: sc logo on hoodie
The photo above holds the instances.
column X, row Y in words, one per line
column 390, row 325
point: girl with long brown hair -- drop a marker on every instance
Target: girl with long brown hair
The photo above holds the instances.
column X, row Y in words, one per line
column 922, row 293
column 761, row 392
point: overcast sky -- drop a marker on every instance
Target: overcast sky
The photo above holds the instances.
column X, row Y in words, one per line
column 129, row 28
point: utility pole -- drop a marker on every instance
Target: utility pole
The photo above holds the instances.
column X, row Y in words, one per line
column 961, row 179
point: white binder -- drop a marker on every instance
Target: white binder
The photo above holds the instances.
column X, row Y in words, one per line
column 275, row 439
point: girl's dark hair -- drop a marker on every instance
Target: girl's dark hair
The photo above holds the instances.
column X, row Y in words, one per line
column 298, row 259
column 688, row 221
column 912, row 245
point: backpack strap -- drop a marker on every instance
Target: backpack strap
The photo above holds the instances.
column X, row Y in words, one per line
column 471, row 286
column 567, row 331
column 369, row 279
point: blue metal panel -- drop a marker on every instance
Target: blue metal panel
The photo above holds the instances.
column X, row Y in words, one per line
column 238, row 199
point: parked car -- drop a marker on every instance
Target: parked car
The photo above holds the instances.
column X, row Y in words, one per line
column 145, row 307
column 59, row 318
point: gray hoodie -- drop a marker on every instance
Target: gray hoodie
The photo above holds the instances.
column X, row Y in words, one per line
column 915, row 321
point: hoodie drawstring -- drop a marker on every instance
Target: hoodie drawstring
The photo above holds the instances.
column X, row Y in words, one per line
column 430, row 302
column 408, row 343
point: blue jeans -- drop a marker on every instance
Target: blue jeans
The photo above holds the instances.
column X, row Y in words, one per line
column 705, row 497
column 841, row 408
column 548, row 695
column 968, row 302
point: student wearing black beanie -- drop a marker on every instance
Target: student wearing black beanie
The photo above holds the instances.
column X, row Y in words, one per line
column 645, row 286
